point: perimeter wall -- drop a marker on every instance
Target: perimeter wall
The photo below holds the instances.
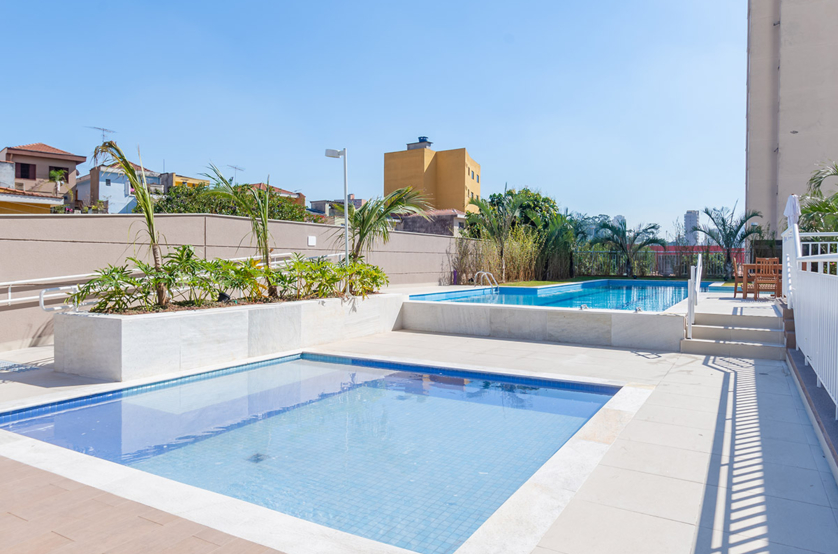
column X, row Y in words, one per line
column 41, row 246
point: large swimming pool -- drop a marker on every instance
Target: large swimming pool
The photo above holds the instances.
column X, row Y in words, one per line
column 609, row 294
column 413, row 456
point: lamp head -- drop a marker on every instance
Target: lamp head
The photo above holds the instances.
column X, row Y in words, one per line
column 333, row 153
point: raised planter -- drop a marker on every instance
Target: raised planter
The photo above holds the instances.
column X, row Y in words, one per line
column 646, row 330
column 123, row 347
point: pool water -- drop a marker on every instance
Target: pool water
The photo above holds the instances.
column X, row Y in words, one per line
column 649, row 296
column 412, row 456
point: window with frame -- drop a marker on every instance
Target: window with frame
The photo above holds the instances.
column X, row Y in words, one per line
column 478, row 177
column 472, row 175
column 24, row 171
column 107, row 182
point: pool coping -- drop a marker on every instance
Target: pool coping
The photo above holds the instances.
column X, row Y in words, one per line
column 515, row 527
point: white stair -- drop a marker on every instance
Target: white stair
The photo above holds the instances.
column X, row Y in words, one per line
column 737, row 336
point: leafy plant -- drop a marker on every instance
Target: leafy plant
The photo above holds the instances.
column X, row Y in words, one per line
column 110, row 151
column 628, row 242
column 254, row 203
column 729, row 231
column 495, row 222
column 362, row 279
column 182, row 199
column 115, row 287
column 373, row 221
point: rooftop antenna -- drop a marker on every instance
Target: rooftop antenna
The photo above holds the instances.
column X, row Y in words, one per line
column 104, row 131
column 235, row 169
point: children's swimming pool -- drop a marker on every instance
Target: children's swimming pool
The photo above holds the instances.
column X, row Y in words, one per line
column 609, row 294
column 414, row 456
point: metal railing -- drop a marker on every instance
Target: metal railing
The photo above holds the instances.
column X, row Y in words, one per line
column 810, row 284
column 48, row 293
column 480, row 276
column 693, row 290
column 667, row 263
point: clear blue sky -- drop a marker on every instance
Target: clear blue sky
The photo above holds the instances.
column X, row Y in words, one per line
column 630, row 107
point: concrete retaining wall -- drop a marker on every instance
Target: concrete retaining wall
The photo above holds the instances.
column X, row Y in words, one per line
column 646, row 331
column 123, row 347
column 53, row 245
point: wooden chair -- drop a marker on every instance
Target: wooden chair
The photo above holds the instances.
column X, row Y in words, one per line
column 767, row 277
column 738, row 279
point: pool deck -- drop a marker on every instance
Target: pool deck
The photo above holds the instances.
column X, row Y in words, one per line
column 720, row 458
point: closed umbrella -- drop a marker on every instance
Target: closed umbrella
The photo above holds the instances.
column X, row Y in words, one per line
column 792, row 211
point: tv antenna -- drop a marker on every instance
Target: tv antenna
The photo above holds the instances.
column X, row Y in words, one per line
column 235, row 169
column 104, row 131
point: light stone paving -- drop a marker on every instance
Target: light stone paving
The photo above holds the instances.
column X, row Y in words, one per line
column 720, row 457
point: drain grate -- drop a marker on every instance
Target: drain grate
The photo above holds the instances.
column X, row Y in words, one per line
column 256, row 458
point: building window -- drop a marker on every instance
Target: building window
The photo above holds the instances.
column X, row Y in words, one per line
column 65, row 172
column 472, row 175
column 478, row 177
column 19, row 186
column 24, row 171
column 107, row 182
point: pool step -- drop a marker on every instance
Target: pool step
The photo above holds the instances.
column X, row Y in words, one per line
column 762, row 335
column 733, row 349
column 740, row 321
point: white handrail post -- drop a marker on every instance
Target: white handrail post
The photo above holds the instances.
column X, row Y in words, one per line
column 691, row 302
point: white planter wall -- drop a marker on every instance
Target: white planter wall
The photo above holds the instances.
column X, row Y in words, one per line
column 648, row 331
column 123, row 347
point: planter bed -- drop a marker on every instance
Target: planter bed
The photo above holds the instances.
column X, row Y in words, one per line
column 117, row 347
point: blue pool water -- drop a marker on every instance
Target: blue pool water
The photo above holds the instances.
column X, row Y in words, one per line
column 413, row 456
column 649, row 296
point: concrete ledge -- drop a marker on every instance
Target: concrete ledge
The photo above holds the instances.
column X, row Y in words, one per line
column 125, row 347
column 648, row 331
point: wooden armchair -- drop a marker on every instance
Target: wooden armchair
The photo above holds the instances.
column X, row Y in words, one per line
column 767, row 277
column 738, row 279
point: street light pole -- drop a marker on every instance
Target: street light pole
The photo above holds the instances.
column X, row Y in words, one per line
column 343, row 154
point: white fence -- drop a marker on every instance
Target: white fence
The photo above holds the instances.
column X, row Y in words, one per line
column 810, row 283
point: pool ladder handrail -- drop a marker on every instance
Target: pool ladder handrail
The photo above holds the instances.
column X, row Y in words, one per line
column 480, row 276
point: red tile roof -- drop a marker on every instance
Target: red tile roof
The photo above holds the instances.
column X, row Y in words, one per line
column 261, row 186
column 4, row 190
column 41, row 147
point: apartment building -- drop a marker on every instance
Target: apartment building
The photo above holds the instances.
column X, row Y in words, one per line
column 448, row 179
column 792, row 100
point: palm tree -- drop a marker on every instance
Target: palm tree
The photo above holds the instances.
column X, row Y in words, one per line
column 495, row 222
column 819, row 213
column 628, row 242
column 373, row 220
column 729, row 231
column 57, row 176
column 256, row 204
column 110, row 151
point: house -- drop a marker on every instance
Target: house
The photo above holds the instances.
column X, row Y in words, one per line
column 448, row 179
column 33, row 165
column 169, row 180
column 109, row 185
column 438, row 222
column 13, row 201
column 324, row 207
column 295, row 197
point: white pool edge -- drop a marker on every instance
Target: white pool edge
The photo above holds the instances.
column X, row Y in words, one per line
column 516, row 526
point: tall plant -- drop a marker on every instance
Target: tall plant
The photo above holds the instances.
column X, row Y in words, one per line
column 373, row 221
column 58, row 177
column 628, row 242
column 819, row 212
column 109, row 151
column 729, row 231
column 256, row 204
column 495, row 222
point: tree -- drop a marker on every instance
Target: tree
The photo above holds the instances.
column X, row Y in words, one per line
column 628, row 242
column 533, row 205
column 373, row 220
column 145, row 203
column 182, row 199
column 818, row 212
column 58, row 177
column 255, row 203
column 495, row 222
column 729, row 231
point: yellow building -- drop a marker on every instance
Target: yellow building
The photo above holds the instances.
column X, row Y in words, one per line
column 448, row 179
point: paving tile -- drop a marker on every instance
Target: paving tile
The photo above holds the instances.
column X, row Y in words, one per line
column 679, row 416
column 760, row 477
column 659, row 460
column 714, row 541
column 676, row 436
column 189, row 545
column 590, row 528
column 214, row 536
column 781, row 521
column 240, row 546
column 38, row 544
column 605, row 426
column 699, row 403
column 645, row 493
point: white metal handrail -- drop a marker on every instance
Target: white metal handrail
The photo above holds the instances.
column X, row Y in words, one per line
column 480, row 276
column 49, row 293
column 811, row 288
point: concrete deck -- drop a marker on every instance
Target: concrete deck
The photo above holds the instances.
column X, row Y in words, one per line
column 723, row 303
column 720, row 458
